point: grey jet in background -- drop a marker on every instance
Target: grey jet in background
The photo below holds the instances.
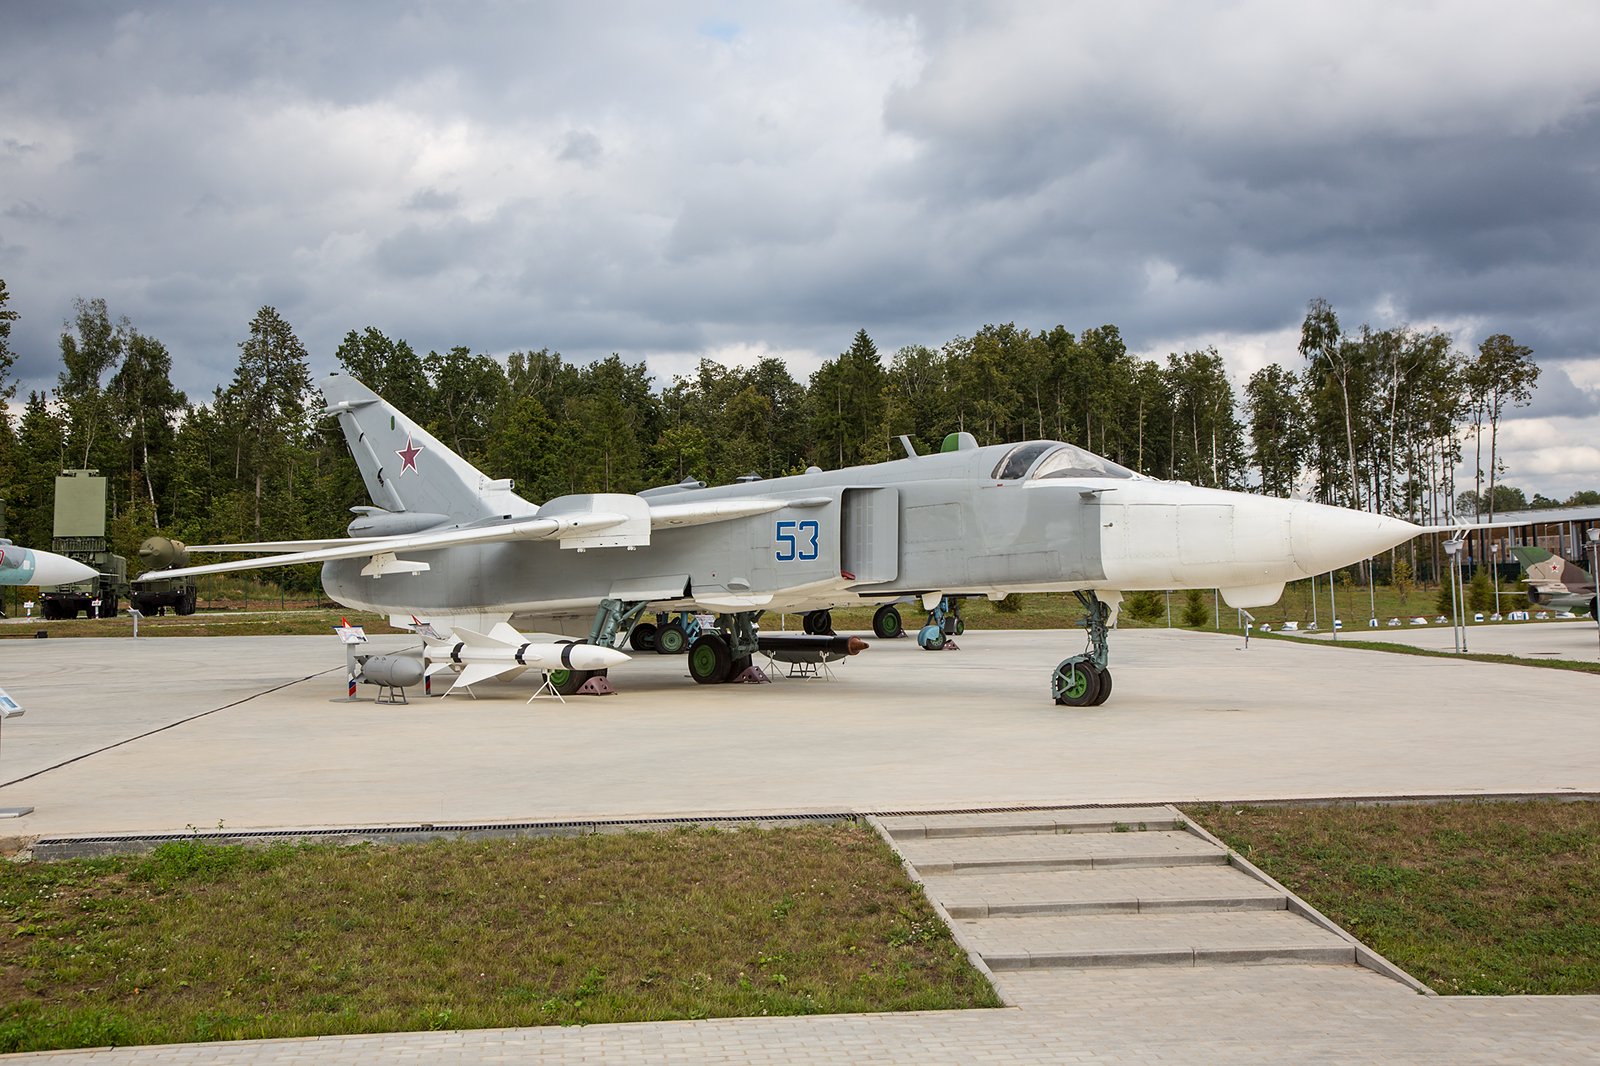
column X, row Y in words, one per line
column 1556, row 582
column 459, row 555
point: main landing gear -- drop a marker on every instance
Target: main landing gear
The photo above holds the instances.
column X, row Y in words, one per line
column 1084, row 680
column 818, row 623
column 610, row 619
column 725, row 653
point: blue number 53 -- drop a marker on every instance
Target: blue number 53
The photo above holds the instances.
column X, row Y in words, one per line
column 809, row 534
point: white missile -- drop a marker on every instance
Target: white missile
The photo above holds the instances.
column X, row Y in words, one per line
column 480, row 656
column 25, row 566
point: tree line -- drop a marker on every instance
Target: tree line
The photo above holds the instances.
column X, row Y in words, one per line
column 1374, row 419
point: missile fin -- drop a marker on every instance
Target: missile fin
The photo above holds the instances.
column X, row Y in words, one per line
column 481, row 640
column 504, row 631
column 475, row 672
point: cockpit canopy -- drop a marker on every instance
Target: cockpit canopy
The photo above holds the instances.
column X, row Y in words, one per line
column 1055, row 459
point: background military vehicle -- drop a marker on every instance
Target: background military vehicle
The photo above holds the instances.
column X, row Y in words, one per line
column 80, row 534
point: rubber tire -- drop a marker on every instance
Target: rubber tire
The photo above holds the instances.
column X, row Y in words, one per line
column 931, row 638
column 1084, row 692
column 739, row 666
column 1105, row 689
column 670, row 639
column 886, row 622
column 108, row 607
column 710, row 660
column 186, row 603
column 643, row 637
column 1594, row 607
column 961, row 626
column 567, row 682
column 813, row 624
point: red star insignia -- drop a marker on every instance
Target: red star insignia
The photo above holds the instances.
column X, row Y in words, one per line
column 408, row 456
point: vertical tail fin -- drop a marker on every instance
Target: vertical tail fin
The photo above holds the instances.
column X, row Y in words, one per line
column 405, row 467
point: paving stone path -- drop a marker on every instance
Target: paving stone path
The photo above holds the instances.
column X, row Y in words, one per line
column 1142, row 946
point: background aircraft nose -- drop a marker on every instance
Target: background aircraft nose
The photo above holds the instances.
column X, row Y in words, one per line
column 1326, row 538
column 51, row 569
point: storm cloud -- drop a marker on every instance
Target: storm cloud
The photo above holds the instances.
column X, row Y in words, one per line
column 670, row 180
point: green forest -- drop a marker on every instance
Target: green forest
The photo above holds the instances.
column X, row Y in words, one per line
column 1372, row 419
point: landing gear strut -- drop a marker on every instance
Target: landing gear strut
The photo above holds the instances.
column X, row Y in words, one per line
column 613, row 617
column 1084, row 680
column 725, row 653
column 943, row 621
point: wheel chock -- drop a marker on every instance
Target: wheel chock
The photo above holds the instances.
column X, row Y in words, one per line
column 950, row 645
column 752, row 675
column 595, row 686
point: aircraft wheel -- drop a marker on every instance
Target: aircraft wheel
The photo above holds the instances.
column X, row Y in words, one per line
column 1594, row 607
column 930, row 638
column 961, row 626
column 886, row 622
column 567, row 682
column 739, row 666
column 710, row 660
column 1075, row 684
column 1105, row 688
column 670, row 639
column 643, row 637
column 819, row 623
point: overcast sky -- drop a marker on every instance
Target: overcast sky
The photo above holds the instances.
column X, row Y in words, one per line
column 669, row 180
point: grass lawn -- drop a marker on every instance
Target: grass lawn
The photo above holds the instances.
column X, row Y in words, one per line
column 197, row 942
column 1471, row 898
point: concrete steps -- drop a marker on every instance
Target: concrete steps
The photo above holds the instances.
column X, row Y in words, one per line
column 1104, row 887
column 1117, row 890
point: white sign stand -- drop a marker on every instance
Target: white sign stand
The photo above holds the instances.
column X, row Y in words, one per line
column 10, row 708
column 350, row 636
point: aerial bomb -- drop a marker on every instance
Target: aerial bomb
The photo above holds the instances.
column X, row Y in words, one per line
column 391, row 671
column 808, row 649
column 159, row 553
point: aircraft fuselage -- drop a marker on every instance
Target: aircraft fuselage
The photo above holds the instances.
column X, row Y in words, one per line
column 938, row 523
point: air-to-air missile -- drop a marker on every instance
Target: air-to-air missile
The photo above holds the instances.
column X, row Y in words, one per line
column 27, row 566
column 506, row 654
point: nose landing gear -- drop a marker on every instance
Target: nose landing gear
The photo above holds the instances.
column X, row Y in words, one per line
column 1084, row 680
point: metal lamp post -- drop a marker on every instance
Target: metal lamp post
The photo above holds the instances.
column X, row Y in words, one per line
column 1452, row 548
column 1592, row 534
column 1495, row 549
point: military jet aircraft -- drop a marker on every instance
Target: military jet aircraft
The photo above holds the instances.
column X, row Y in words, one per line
column 1555, row 582
column 446, row 546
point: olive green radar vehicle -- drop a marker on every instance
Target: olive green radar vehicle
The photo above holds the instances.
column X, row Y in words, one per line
column 80, row 534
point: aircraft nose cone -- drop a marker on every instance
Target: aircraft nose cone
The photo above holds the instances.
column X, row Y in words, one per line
column 1327, row 538
column 51, row 569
